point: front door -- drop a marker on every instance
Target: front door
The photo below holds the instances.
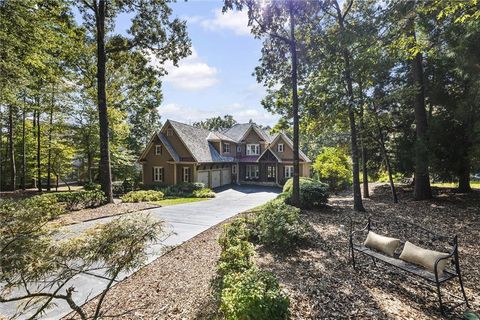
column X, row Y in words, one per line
column 271, row 172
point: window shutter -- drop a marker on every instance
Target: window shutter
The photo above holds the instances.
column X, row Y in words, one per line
column 153, row 174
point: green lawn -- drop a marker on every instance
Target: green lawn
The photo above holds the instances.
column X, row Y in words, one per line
column 172, row 202
column 473, row 184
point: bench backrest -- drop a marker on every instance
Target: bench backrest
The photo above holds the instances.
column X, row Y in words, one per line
column 409, row 231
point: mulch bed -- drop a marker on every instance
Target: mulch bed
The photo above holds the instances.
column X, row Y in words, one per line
column 318, row 276
column 321, row 283
column 175, row 286
column 108, row 210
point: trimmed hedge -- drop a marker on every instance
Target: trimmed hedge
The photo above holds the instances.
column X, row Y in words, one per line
column 143, row 196
column 91, row 186
column 313, row 193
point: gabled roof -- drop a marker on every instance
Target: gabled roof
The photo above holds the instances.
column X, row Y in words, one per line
column 165, row 142
column 240, row 130
column 195, row 139
column 168, row 146
column 288, row 141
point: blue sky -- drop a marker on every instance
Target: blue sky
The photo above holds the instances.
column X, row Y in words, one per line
column 217, row 78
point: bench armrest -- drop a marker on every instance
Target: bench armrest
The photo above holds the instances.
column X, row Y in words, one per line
column 452, row 253
column 367, row 227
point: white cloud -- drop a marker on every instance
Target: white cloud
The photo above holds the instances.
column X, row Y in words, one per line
column 240, row 112
column 236, row 21
column 191, row 74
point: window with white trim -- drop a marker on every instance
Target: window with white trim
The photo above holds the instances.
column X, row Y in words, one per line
column 280, row 147
column 186, row 174
column 252, row 171
column 158, row 149
column 226, row 147
column 169, row 132
column 158, row 174
column 288, row 171
column 253, row 149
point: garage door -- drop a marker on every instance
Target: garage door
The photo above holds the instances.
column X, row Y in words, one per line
column 226, row 176
column 202, row 176
column 215, row 178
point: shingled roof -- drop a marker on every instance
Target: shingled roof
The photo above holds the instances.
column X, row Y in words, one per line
column 195, row 139
column 238, row 131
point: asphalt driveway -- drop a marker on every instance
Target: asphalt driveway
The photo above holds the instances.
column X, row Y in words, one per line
column 182, row 222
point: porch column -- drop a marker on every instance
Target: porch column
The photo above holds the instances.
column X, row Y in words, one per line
column 174, row 173
column 276, row 173
column 195, row 173
column 238, row 173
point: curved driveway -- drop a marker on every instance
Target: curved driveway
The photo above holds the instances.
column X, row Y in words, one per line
column 183, row 221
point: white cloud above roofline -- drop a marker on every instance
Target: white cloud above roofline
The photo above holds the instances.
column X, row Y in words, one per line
column 191, row 74
column 240, row 112
column 234, row 21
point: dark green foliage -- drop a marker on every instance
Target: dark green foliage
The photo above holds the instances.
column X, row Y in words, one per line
column 253, row 294
column 143, row 196
column 91, row 186
column 470, row 315
column 122, row 187
column 278, row 225
column 81, row 199
column 185, row 190
column 313, row 193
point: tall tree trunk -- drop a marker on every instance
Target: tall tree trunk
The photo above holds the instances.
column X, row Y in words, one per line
column 422, row 188
column 381, row 142
column 464, row 176
column 105, row 170
column 366, row 193
column 1, row 147
column 50, row 129
column 13, row 171
column 39, row 166
column 24, row 159
column 296, row 157
column 357, row 195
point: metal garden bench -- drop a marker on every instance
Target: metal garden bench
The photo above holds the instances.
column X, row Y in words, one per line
column 405, row 230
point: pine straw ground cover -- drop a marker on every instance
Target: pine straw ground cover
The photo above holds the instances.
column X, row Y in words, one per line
column 318, row 276
column 321, row 282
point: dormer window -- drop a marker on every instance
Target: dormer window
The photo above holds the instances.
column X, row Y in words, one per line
column 158, row 149
column 169, row 132
column 280, row 147
column 253, row 149
column 226, row 147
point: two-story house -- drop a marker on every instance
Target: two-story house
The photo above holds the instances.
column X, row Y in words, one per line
column 242, row 154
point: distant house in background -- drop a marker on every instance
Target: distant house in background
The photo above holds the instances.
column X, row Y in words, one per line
column 242, row 154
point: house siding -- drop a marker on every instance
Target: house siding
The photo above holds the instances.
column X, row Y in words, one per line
column 153, row 160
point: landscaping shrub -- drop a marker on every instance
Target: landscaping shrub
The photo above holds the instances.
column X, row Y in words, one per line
column 313, row 193
column 122, row 187
column 45, row 205
column 383, row 177
column 237, row 251
column 81, row 199
column 91, row 186
column 253, row 294
column 142, row 196
column 279, row 225
column 333, row 166
column 204, row 193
